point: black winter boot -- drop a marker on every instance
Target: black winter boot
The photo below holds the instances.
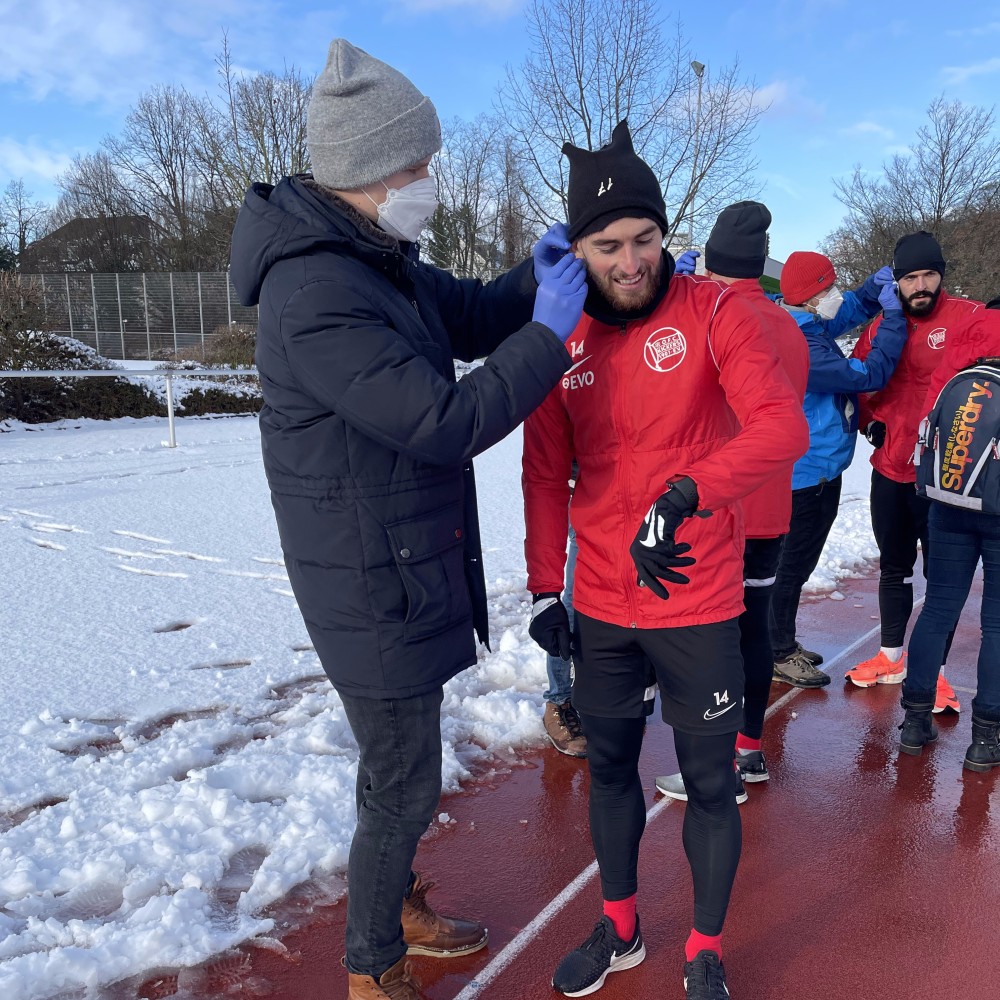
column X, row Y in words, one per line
column 984, row 752
column 917, row 728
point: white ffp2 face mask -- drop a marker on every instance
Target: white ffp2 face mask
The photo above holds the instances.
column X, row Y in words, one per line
column 405, row 211
column 830, row 304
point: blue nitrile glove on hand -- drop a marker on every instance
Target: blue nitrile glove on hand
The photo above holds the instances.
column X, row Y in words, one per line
column 655, row 553
column 875, row 433
column 883, row 276
column 687, row 262
column 560, row 297
column 550, row 249
column 549, row 625
column 888, row 299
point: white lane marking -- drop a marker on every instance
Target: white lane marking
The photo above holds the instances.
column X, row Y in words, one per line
column 141, row 537
column 44, row 543
column 519, row 942
column 188, row 555
column 149, row 572
column 128, row 553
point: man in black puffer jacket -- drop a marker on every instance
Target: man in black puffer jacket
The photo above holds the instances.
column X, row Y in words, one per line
column 368, row 440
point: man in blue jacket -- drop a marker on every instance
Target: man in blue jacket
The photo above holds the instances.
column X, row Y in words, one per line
column 368, row 440
column 809, row 293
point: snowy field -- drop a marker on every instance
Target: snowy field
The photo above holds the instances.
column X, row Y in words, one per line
column 173, row 759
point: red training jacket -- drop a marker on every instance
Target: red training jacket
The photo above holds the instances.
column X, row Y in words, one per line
column 768, row 510
column 978, row 337
column 900, row 404
column 695, row 390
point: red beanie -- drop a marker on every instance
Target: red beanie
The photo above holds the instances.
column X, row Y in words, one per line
column 804, row 275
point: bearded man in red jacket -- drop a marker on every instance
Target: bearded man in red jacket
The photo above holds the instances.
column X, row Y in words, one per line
column 890, row 419
column 675, row 408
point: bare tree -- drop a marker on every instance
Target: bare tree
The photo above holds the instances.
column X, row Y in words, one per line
column 513, row 234
column 22, row 219
column 949, row 184
column 256, row 132
column 596, row 62
column 156, row 156
column 467, row 171
column 104, row 225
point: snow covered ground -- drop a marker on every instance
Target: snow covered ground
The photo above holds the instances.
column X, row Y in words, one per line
column 173, row 759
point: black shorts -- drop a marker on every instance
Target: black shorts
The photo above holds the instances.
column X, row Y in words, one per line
column 760, row 561
column 699, row 670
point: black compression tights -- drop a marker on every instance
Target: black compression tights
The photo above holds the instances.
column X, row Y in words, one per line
column 712, row 833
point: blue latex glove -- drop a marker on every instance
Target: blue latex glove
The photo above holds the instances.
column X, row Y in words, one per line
column 560, row 297
column 687, row 262
column 549, row 250
column 883, row 276
column 887, row 297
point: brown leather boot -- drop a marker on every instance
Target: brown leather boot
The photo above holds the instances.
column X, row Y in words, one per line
column 428, row 933
column 394, row 984
column 563, row 728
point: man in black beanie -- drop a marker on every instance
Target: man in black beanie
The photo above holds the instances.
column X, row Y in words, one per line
column 368, row 442
column 734, row 256
column 890, row 419
column 675, row 408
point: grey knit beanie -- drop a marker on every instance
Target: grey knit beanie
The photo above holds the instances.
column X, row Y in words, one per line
column 366, row 120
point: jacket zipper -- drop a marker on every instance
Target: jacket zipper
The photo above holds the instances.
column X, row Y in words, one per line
column 619, row 409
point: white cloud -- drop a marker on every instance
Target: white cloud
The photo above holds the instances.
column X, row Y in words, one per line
column 976, row 31
column 782, row 99
column 35, row 163
column 866, row 128
column 961, row 74
column 106, row 53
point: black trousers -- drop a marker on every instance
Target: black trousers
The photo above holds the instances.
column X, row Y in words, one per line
column 899, row 521
column 760, row 563
column 814, row 509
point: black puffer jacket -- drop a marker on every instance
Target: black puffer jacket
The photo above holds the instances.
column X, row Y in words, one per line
column 367, row 436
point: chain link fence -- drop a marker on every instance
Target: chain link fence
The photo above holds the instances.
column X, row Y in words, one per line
column 148, row 315
column 140, row 315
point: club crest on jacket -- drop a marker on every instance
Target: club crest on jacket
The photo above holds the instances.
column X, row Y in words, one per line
column 665, row 349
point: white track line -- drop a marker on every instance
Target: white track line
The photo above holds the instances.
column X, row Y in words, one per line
column 526, row 935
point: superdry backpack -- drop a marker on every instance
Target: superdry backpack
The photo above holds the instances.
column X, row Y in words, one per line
column 957, row 456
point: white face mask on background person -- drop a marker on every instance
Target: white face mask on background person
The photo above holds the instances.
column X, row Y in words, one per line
column 405, row 211
column 830, row 304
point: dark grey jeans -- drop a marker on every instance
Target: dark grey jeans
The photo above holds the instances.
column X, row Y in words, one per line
column 399, row 786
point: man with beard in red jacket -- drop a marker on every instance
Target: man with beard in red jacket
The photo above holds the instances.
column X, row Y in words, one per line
column 735, row 255
column 890, row 419
column 675, row 408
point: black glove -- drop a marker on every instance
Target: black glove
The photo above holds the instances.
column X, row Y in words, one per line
column 549, row 625
column 875, row 433
column 654, row 551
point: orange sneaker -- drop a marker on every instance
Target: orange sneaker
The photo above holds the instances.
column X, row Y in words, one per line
column 945, row 699
column 878, row 670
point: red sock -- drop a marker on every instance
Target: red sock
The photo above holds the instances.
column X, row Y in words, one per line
column 622, row 915
column 745, row 743
column 702, row 942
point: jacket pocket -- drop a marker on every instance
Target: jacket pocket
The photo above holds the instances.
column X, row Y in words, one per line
column 430, row 555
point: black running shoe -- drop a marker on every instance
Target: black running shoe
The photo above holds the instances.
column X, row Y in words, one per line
column 584, row 970
column 705, row 978
column 752, row 766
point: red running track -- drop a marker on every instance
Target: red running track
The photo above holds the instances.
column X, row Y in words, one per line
column 865, row 873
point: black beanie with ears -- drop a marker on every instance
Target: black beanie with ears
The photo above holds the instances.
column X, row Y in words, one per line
column 611, row 183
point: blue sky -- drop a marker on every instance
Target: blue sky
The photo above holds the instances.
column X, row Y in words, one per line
column 848, row 83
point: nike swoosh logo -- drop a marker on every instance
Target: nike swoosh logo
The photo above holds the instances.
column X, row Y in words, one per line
column 709, row 714
column 577, row 365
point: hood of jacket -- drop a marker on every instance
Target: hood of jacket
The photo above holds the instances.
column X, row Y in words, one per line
column 292, row 219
